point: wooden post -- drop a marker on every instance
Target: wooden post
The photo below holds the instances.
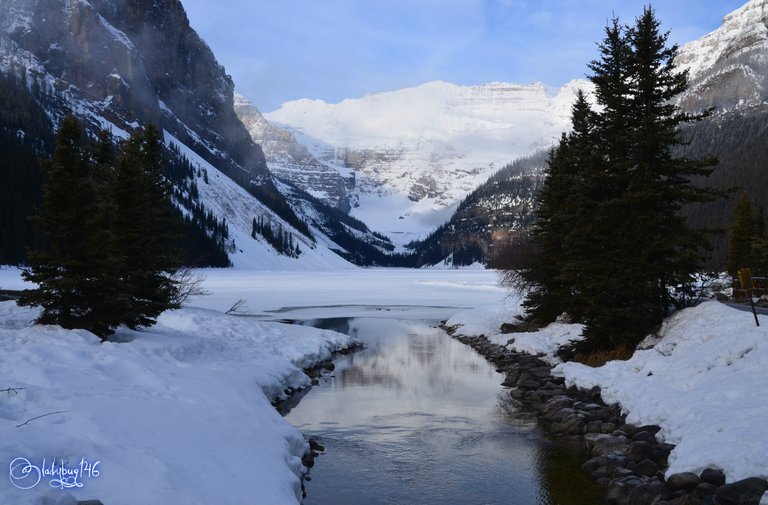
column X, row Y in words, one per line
column 745, row 279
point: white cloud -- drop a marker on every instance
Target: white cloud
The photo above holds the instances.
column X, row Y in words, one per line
column 335, row 49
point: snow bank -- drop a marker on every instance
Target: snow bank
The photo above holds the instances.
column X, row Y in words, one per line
column 704, row 383
column 177, row 414
column 545, row 341
column 487, row 321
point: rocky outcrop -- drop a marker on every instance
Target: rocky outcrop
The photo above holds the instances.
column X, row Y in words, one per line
column 727, row 67
column 291, row 161
column 128, row 62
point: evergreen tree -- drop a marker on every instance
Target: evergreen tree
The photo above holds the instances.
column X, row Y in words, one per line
column 742, row 236
column 68, row 274
column 617, row 246
column 552, row 276
column 652, row 250
column 109, row 222
column 143, row 239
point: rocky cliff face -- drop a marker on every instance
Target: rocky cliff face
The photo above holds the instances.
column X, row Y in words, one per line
column 728, row 68
column 291, row 161
column 129, row 62
column 119, row 64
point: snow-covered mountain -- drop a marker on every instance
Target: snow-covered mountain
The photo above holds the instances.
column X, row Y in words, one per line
column 728, row 67
column 292, row 161
column 120, row 64
column 417, row 152
column 728, row 71
column 401, row 161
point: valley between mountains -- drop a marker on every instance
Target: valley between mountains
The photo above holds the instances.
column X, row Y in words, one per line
column 348, row 279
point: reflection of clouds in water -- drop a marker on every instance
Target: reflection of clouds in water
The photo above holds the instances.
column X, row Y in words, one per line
column 406, row 366
column 369, row 375
column 425, row 363
column 418, row 417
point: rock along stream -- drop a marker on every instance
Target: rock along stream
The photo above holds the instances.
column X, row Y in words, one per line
column 419, row 418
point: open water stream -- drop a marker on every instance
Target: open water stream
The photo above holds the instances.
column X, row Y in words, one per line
column 419, row 418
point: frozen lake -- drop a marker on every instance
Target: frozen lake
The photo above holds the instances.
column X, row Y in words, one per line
column 440, row 293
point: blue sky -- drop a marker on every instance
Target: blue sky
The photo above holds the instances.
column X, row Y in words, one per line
column 281, row 50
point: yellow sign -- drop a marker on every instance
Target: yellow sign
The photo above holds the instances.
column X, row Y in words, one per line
column 745, row 278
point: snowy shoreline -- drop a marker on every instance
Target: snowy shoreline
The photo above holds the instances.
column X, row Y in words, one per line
column 164, row 411
column 698, row 383
column 182, row 412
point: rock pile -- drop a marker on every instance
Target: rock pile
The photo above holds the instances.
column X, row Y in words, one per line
column 627, row 460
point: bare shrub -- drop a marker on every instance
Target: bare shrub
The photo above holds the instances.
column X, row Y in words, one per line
column 189, row 283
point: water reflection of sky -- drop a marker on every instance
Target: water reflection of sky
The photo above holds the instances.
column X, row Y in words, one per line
column 409, row 375
column 417, row 417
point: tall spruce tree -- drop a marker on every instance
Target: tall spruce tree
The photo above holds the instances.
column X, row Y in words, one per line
column 68, row 272
column 143, row 242
column 742, row 237
column 625, row 246
column 652, row 250
column 110, row 224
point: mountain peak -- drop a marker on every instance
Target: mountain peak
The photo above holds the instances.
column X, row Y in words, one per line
column 729, row 58
column 749, row 9
column 742, row 29
column 420, row 150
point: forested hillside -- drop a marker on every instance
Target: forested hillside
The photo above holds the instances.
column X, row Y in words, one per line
column 738, row 140
column 491, row 219
column 26, row 135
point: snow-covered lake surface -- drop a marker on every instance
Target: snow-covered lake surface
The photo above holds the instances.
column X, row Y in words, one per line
column 350, row 293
